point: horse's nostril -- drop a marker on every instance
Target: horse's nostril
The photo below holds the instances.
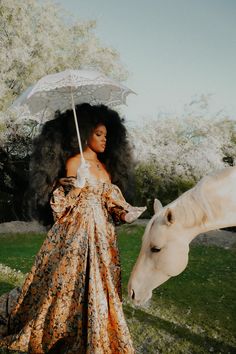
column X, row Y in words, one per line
column 132, row 294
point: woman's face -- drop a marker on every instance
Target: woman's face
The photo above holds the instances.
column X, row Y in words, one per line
column 97, row 140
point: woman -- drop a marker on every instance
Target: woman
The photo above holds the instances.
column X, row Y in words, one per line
column 71, row 299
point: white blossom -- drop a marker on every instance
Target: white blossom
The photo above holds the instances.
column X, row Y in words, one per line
column 13, row 276
column 190, row 146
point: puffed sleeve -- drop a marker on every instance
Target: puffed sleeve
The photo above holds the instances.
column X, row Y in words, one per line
column 117, row 206
column 61, row 202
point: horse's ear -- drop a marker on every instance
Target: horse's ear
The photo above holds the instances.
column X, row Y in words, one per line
column 169, row 217
column 157, row 206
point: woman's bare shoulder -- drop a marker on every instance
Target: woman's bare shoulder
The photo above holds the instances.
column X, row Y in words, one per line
column 73, row 159
column 72, row 165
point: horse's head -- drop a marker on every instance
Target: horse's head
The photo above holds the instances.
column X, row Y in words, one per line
column 164, row 254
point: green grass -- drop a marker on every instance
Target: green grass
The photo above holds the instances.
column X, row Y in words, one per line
column 18, row 251
column 192, row 313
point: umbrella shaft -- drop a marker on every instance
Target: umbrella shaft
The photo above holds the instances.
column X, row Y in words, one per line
column 77, row 127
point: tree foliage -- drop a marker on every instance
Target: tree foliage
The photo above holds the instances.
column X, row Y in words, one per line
column 35, row 40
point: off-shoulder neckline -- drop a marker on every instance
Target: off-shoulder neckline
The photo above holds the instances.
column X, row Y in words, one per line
column 94, row 179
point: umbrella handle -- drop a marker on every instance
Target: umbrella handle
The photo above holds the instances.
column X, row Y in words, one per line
column 77, row 128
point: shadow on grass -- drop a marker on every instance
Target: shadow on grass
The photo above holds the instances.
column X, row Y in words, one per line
column 7, row 351
column 178, row 331
column 5, row 287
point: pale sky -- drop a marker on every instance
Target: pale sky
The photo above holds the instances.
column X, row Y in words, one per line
column 174, row 50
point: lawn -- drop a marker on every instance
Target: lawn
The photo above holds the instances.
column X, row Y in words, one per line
column 192, row 313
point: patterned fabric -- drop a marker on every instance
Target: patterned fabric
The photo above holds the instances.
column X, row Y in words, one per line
column 71, row 299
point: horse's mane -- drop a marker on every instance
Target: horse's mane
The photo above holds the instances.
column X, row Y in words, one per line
column 193, row 208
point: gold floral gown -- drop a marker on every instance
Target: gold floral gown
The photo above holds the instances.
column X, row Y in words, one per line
column 71, row 299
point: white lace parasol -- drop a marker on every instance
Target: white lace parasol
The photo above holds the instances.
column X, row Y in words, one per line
column 64, row 90
column 54, row 91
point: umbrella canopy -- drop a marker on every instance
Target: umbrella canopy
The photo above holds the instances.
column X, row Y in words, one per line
column 54, row 91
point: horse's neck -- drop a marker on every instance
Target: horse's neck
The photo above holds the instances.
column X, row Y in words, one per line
column 215, row 197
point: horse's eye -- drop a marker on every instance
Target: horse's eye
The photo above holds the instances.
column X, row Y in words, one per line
column 155, row 249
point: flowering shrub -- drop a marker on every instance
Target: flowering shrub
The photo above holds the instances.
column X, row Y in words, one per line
column 150, row 184
column 174, row 153
column 12, row 276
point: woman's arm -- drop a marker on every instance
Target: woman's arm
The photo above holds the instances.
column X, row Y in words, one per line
column 66, row 194
column 119, row 209
column 72, row 165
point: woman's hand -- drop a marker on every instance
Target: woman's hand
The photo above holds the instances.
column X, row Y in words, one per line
column 76, row 166
column 68, row 181
column 133, row 214
column 69, row 185
column 82, row 174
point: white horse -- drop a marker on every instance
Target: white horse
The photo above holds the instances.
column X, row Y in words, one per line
column 210, row 205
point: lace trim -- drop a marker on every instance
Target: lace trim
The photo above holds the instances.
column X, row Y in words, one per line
column 53, row 91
